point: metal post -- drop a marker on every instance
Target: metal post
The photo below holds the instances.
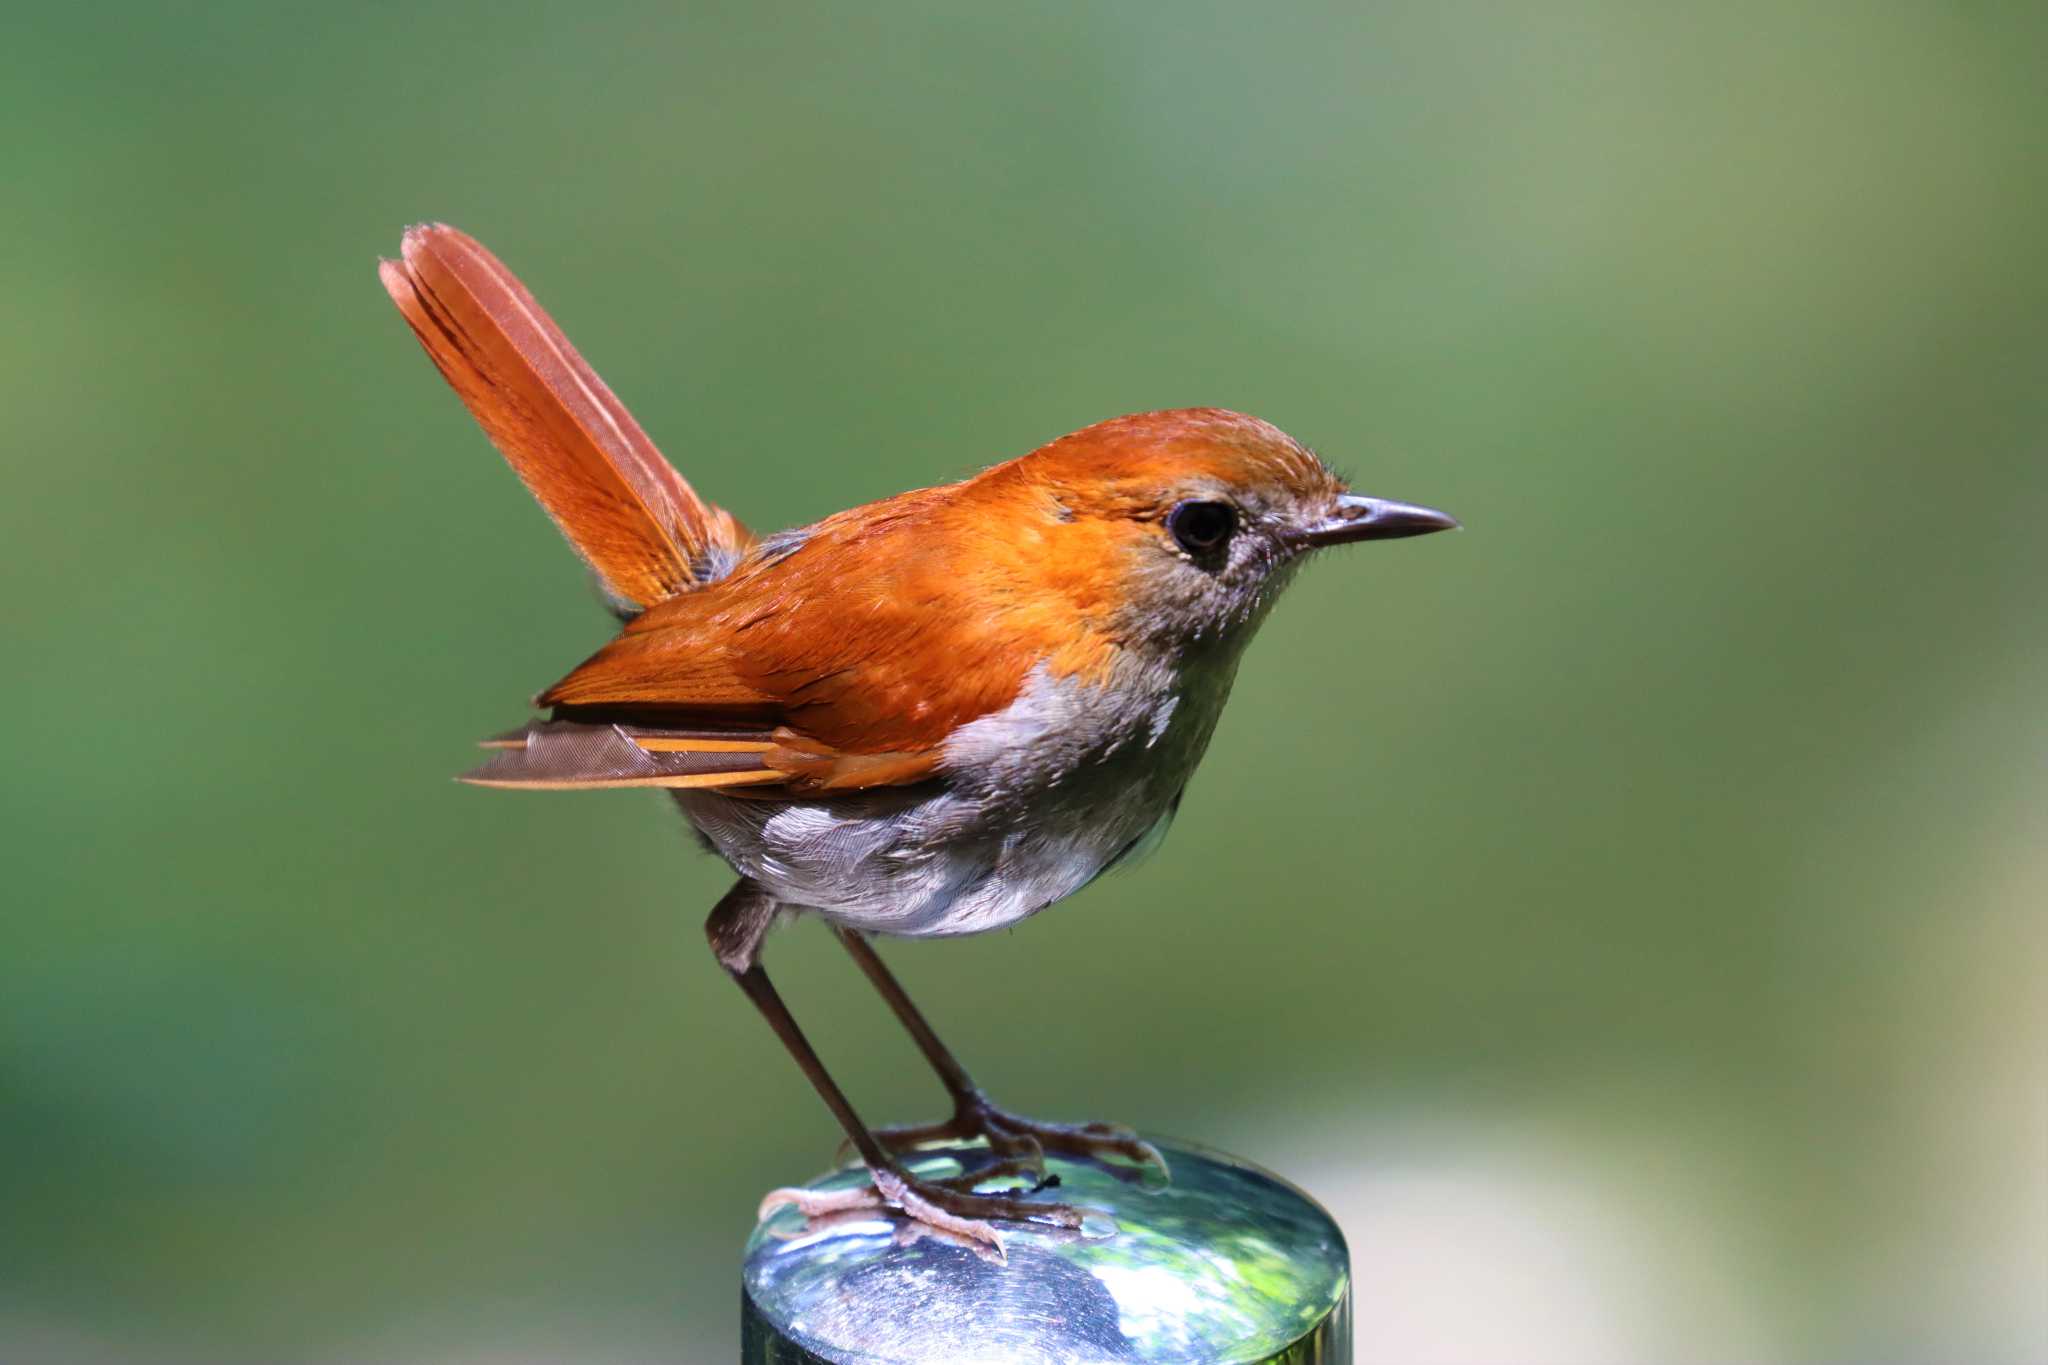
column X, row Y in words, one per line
column 1226, row 1264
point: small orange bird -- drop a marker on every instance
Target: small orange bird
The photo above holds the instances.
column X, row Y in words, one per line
column 932, row 715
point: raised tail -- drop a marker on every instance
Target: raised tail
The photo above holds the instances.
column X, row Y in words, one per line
column 636, row 521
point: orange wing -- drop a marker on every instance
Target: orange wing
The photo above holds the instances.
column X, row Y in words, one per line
column 837, row 658
column 843, row 664
column 625, row 509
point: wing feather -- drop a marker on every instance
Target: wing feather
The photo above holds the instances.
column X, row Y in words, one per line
column 839, row 661
column 855, row 656
column 558, row 755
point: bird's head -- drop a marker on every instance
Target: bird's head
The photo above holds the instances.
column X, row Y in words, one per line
column 1181, row 527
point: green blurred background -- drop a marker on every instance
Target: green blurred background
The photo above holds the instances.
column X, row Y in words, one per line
column 1625, row 914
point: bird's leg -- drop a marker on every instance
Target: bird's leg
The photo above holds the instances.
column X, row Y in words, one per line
column 736, row 927
column 1016, row 1143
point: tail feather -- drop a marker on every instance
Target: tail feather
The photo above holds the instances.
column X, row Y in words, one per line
column 626, row 510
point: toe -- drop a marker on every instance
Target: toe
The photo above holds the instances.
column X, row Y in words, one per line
column 818, row 1203
column 1014, row 1168
column 914, row 1201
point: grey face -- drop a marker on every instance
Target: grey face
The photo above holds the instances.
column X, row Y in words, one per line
column 1214, row 561
column 1219, row 556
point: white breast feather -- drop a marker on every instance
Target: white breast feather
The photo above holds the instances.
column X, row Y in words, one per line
column 1036, row 800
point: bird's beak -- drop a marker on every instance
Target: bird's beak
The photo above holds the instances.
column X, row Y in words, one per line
column 1362, row 518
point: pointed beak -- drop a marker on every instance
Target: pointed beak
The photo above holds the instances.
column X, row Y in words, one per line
column 1363, row 518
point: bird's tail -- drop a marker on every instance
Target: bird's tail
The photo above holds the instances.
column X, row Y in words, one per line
column 635, row 520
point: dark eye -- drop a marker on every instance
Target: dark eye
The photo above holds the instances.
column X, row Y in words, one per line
column 1202, row 527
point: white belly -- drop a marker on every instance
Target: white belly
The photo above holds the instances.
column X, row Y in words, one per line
column 1037, row 800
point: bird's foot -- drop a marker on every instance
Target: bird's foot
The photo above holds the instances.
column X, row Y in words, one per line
column 1020, row 1144
column 951, row 1205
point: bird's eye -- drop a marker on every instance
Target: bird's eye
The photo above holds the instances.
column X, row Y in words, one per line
column 1201, row 527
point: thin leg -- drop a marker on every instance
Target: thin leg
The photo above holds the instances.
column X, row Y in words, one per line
column 1020, row 1141
column 736, row 928
column 754, row 981
column 953, row 1075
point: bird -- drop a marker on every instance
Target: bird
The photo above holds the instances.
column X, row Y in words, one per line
column 933, row 715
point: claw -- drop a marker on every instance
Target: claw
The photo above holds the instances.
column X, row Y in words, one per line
column 952, row 1206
